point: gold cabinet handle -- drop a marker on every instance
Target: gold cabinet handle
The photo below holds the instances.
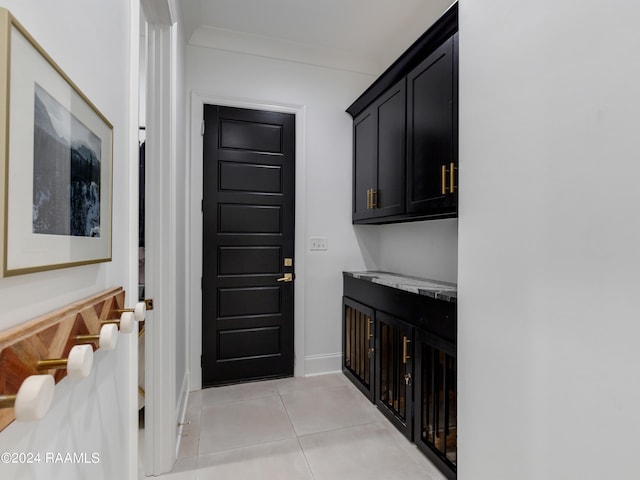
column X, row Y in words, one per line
column 288, row 277
column 374, row 193
column 444, row 179
column 405, row 357
column 452, row 182
column 368, row 198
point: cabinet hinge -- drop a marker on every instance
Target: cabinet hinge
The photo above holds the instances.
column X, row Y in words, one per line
column 202, row 128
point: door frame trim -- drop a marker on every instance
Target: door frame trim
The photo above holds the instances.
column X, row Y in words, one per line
column 160, row 267
column 194, row 216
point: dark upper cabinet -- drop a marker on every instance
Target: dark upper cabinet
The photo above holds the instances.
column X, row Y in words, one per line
column 406, row 133
column 364, row 162
column 378, row 157
column 432, row 133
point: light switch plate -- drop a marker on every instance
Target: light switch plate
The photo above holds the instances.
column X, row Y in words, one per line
column 318, row 243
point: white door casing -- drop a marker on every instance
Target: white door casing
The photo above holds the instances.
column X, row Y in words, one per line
column 198, row 100
column 160, row 230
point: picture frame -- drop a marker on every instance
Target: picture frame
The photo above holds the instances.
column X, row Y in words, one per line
column 56, row 163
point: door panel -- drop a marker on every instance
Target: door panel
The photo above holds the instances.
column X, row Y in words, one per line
column 431, row 127
column 358, row 326
column 234, row 302
column 391, row 111
column 248, row 231
column 247, row 135
column 249, row 342
column 250, row 178
column 249, row 260
column 365, row 162
column 394, row 371
column 250, row 219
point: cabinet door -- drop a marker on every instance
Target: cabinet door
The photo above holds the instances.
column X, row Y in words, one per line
column 358, row 345
column 389, row 195
column 365, row 158
column 436, row 423
column 394, row 371
column 432, row 133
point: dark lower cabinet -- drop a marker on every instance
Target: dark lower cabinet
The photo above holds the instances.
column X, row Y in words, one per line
column 394, row 371
column 400, row 351
column 358, row 345
column 436, row 401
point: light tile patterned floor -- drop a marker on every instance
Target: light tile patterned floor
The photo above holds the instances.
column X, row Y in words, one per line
column 312, row 428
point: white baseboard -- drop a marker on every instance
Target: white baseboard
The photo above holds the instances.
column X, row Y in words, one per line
column 181, row 408
column 319, row 364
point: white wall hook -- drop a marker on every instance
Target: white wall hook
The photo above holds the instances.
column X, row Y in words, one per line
column 78, row 364
column 139, row 311
column 107, row 339
column 33, row 399
column 126, row 322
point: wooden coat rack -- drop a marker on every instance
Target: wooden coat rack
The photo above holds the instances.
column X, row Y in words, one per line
column 51, row 336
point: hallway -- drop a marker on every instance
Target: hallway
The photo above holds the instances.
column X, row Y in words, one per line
column 319, row 428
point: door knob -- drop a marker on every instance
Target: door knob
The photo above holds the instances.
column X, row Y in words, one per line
column 288, row 277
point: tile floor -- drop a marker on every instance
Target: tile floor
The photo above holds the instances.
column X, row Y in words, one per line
column 312, row 428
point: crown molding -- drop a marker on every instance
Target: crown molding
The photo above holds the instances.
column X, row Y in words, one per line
column 258, row 45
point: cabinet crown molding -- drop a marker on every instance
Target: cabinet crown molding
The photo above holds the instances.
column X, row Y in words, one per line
column 444, row 28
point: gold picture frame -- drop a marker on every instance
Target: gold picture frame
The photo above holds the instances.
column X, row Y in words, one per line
column 56, row 163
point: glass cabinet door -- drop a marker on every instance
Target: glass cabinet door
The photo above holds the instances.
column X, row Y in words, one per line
column 436, row 400
column 394, row 367
column 358, row 345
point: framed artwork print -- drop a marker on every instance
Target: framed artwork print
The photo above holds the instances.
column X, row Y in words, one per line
column 56, row 161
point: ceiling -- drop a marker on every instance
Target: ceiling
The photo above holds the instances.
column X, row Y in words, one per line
column 367, row 34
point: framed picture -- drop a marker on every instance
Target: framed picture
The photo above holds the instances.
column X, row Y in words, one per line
column 56, row 153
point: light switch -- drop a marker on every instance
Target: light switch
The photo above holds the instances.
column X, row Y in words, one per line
column 318, row 243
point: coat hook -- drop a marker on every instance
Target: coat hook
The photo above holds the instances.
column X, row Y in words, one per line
column 126, row 322
column 78, row 364
column 33, row 399
column 139, row 311
column 107, row 338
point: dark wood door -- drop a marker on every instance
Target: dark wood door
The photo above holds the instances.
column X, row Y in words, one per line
column 358, row 327
column 394, row 371
column 389, row 196
column 432, row 133
column 379, row 157
column 436, row 426
column 248, row 237
column 365, row 158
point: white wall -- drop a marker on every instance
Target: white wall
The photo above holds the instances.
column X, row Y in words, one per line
column 323, row 94
column 90, row 42
column 548, row 240
column 427, row 249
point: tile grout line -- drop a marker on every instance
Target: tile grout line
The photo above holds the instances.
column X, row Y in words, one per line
column 304, row 455
column 198, row 442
